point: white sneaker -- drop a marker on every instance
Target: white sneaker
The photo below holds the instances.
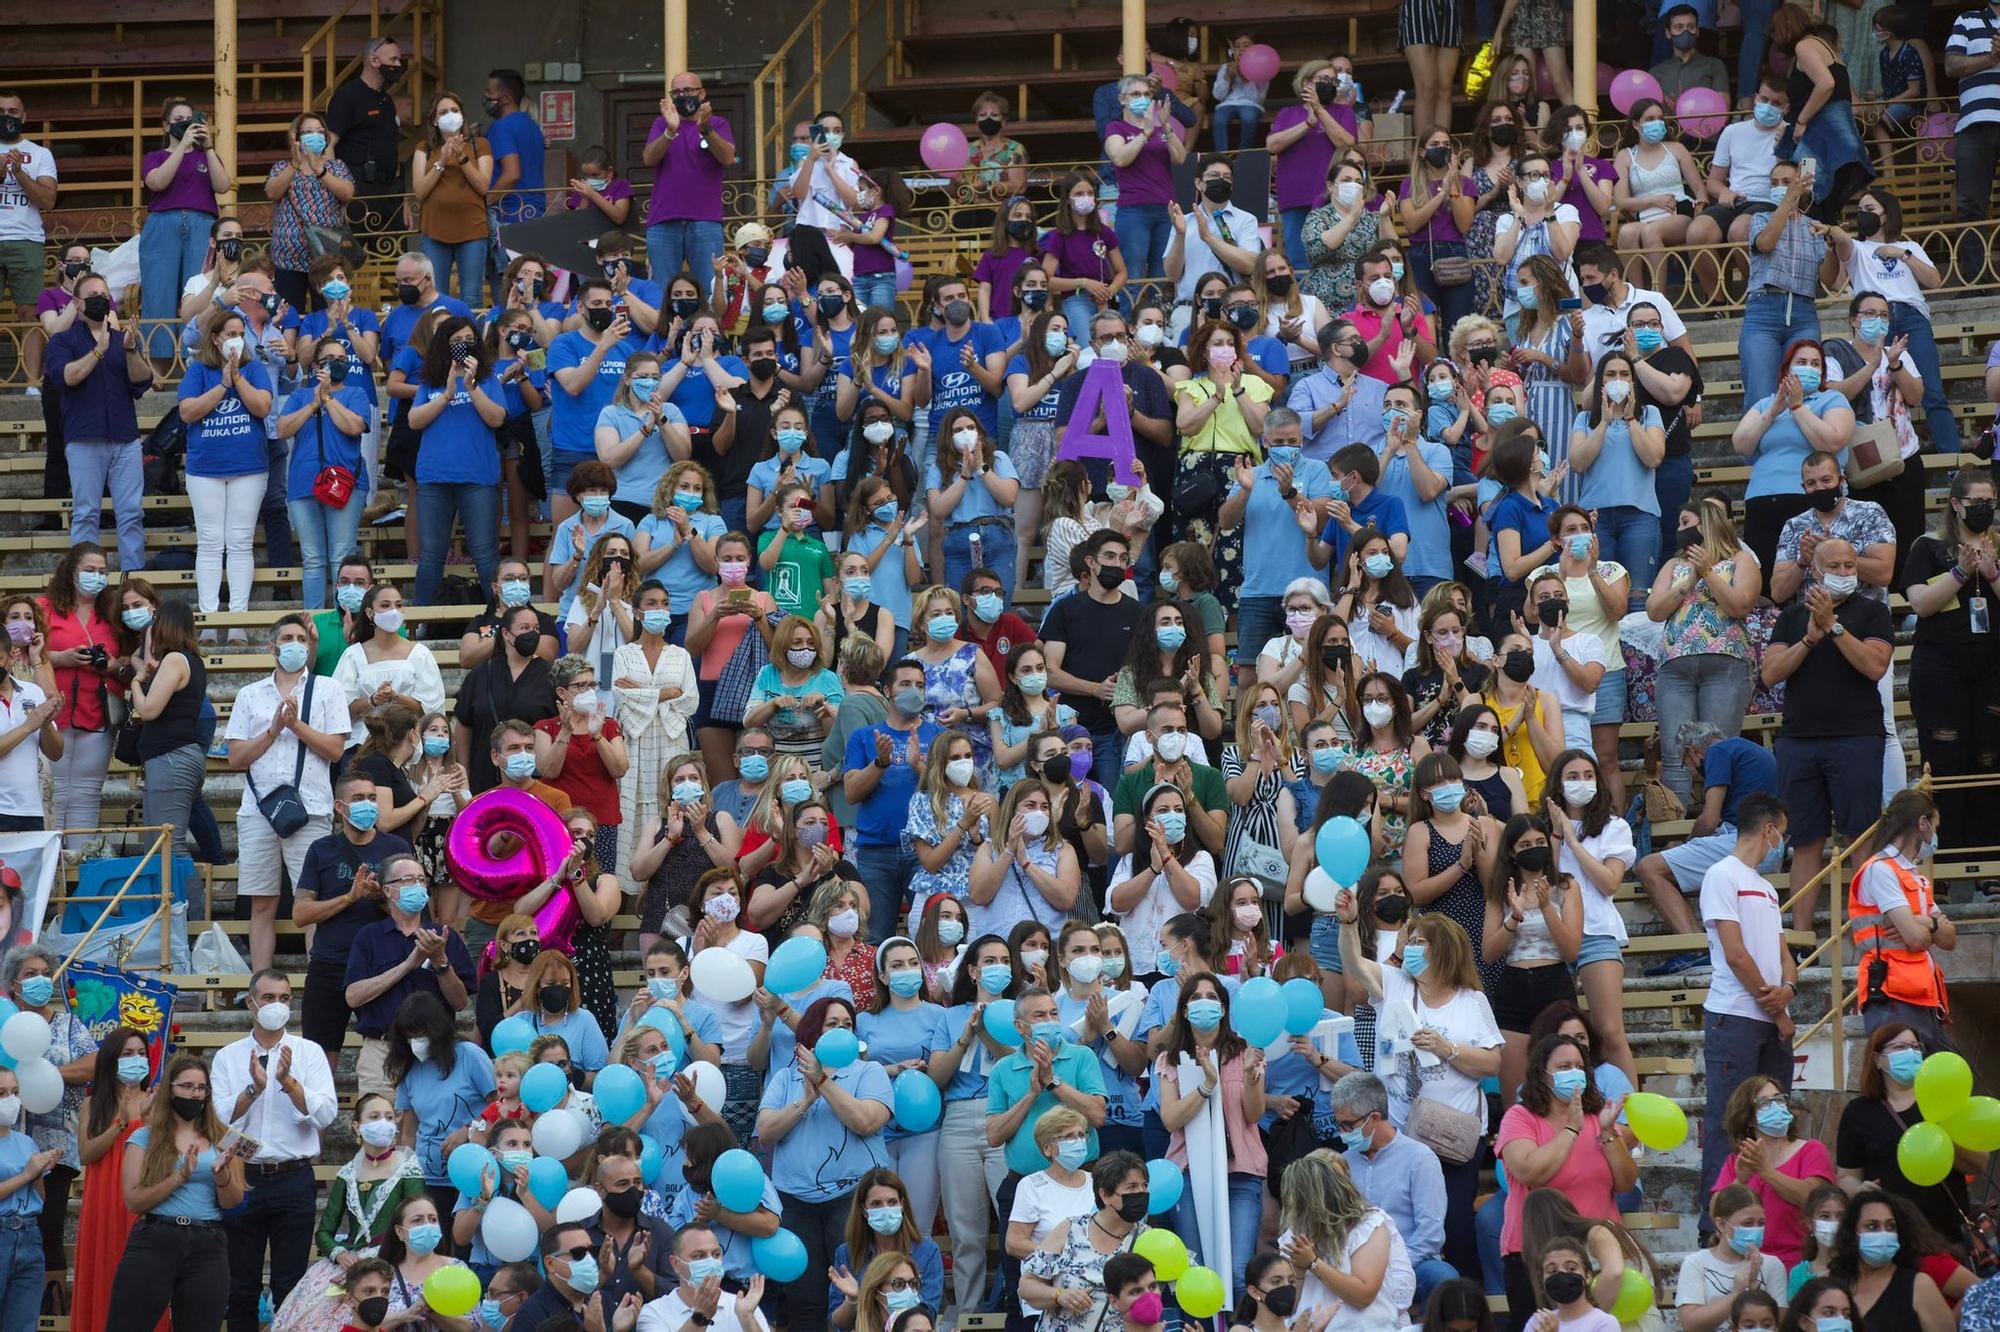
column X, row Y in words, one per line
column 34, row 391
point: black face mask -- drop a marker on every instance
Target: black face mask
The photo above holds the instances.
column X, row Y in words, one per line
column 990, row 125
column 1216, row 191
column 372, row 1310
column 764, row 369
column 336, row 371
column 390, row 73
column 1326, row 90
column 553, row 998
column 1503, row 136
column 409, row 293
column 525, row 951
column 1484, row 355
column 1689, row 537
column 492, row 107
column 1596, row 292
column 1392, row 910
column 1034, row 298
column 1534, row 859
column 1866, row 224
column 520, row 339
column 1564, row 1287
column 1519, row 665
column 1824, row 501
column 1550, row 612
column 623, row 1204
column 525, row 643
column 832, row 303
column 1132, row 1206
column 1020, row 229
column 189, row 1108
column 230, row 247
column 687, row 103
column 96, row 308
column 1110, row 578
column 1279, row 284
column 1335, row 656
column 681, row 307
column 1978, row 516
column 1056, row 770
column 74, row 268
column 10, row 128
column 1437, row 156
column 178, row 129
column 757, row 257
column 1246, row 317
column 1282, row 1300
column 597, row 318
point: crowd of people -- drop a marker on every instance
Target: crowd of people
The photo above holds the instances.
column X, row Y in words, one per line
column 832, row 647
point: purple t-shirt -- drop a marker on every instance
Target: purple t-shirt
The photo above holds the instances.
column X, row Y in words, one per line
column 614, row 189
column 998, row 271
column 687, row 184
column 1301, row 169
column 872, row 259
column 1149, row 179
column 1442, row 228
column 1590, row 222
column 190, row 187
column 1083, row 254
column 54, row 300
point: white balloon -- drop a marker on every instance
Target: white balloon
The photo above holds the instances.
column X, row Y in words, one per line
column 41, row 1083
column 558, row 1133
column 722, row 976
column 578, row 1205
column 509, row 1230
column 27, row 1035
column 709, row 1085
column 1319, row 890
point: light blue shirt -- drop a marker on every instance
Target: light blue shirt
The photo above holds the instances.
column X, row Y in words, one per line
column 15, row 1149
column 1274, row 549
column 666, row 1126
column 969, row 1083
column 1774, row 469
column 976, row 501
column 736, row 1258
column 1360, row 422
column 1430, row 531
column 1012, row 1078
column 683, row 578
column 890, row 583
column 445, row 1102
column 1121, row 1089
column 1405, row 1180
column 193, row 1198
column 785, row 1041
column 1618, row 477
column 821, row 1158
column 639, row 474
column 581, row 1033
column 763, row 478
column 896, row 1034
column 563, row 547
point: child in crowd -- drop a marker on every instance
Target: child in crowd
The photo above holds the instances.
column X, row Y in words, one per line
column 506, row 1102
column 1564, row 1273
column 599, row 186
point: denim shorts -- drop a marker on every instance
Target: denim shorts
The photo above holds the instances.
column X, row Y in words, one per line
column 1609, row 709
column 1599, row 948
column 1324, row 942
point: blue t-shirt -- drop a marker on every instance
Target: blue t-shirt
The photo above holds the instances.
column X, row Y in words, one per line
column 193, row 1198
column 313, row 327
column 1742, row 766
column 458, row 447
column 517, row 405
column 695, row 395
column 563, row 547
column 1074, row 1065
column 228, row 441
column 969, row 1083
column 952, row 385
column 573, row 416
column 444, row 1102
column 400, row 322
column 890, row 583
column 518, row 134
column 640, row 473
column 666, row 1126
column 321, row 443
column 976, row 501
column 1774, row 470
column 925, row 1256
column 879, row 820
column 896, row 1034
column 681, row 575
column 821, row 1159
column 1274, row 550
column 814, row 472
column 1122, row 1104
column 785, row 1041
column 581, row 1033
column 1429, row 555
column 736, row 1257
column 1618, row 477
column 1531, row 520
column 1381, row 511
column 15, row 1149
column 1045, row 410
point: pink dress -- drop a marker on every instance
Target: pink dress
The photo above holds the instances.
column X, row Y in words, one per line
column 1585, row 1178
column 1784, row 1226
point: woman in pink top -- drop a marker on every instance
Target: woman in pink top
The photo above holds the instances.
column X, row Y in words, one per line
column 1774, row 1163
column 1232, row 1076
column 716, row 624
column 79, row 607
column 1560, row 1136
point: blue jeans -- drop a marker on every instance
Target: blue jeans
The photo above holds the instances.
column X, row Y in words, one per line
column 272, row 515
column 1246, row 1212
column 1750, row 63
column 1673, row 482
column 1294, row 223
column 470, row 259
column 438, row 503
column 1230, row 117
column 996, row 552
column 1432, row 1273
column 1772, row 321
column 325, row 534
column 1258, row 621
column 1734, row 1049
column 887, row 871
column 1144, row 232
column 172, row 246
column 1488, row 1220
column 119, row 468
column 1080, row 309
column 21, row 1267
column 1906, row 322
column 872, row 290
column 1107, row 761
column 670, row 246
column 735, row 514
column 1629, row 535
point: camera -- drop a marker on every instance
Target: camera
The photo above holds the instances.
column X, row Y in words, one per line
column 97, row 656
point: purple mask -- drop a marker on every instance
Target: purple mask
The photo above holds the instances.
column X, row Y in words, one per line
column 1079, row 763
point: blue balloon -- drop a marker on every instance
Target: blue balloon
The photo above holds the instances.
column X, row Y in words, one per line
column 1500, row 1175
column 543, row 1087
column 620, row 1093
column 651, row 1160
column 662, row 1020
column 467, row 1167
column 1342, row 848
column 1000, row 1022
column 1303, row 1005
column 780, row 1257
column 548, row 1180
column 918, row 1104
column 7, row 1009
column 1164, row 1185
column 795, row 964
column 738, row 1181
column 1258, row 1011
column 837, row 1047
column 516, row 1033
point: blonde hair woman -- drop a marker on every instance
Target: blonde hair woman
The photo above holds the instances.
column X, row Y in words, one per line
column 655, row 695
column 638, row 436
column 1346, row 1250
column 840, row 912
column 1032, row 874
column 676, row 542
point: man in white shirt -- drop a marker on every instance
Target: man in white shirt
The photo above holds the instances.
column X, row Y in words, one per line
column 284, row 730
column 275, row 1088
column 697, row 1302
column 824, row 187
column 1218, row 237
column 1608, row 298
column 27, row 190
column 25, row 716
column 1746, row 1031
column 1740, row 179
column 1568, row 664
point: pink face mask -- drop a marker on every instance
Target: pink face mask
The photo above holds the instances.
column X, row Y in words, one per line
column 1247, row 915
column 1299, row 622
column 1222, row 357
column 1148, row 1308
column 733, row 572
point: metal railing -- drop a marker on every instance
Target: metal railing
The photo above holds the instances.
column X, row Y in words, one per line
column 158, row 853
column 773, row 112
column 320, row 75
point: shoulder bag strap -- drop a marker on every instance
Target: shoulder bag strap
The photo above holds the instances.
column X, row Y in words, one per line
column 305, row 716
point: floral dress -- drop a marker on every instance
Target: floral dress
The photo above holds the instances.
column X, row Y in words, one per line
column 1331, row 277
column 56, row 1130
column 954, row 683
column 656, row 732
column 1479, row 246
column 1079, row 1264
column 357, row 1210
column 923, row 825
column 1390, row 772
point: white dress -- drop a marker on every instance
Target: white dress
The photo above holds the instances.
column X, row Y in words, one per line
column 655, row 733
column 415, row 676
column 1392, row 1300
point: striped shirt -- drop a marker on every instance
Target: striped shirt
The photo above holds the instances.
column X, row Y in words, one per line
column 1973, row 34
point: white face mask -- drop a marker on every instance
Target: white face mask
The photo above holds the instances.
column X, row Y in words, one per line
column 1574, row 140
column 959, row 772
column 1617, row 390
column 232, row 348
column 723, row 908
column 584, row 700
column 1347, row 193
column 10, row 1111
column 420, row 1048
column 1034, row 822
column 1538, row 191
column 965, row 440
column 379, row 1133
column 1150, row 335
column 450, row 122
column 1580, row 793
column 1824, row 1229
column 1840, row 586
column 1481, row 744
column 844, row 923
column 273, row 1016
column 1378, row 713
column 1247, row 915
column 878, row 432
column 1382, row 290
column 1172, row 746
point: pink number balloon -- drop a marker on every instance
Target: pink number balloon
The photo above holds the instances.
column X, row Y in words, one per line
column 543, row 843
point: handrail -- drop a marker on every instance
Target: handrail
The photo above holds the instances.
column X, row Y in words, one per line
column 769, row 119
column 159, row 847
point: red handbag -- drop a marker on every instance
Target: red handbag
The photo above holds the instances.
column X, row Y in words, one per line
column 332, row 486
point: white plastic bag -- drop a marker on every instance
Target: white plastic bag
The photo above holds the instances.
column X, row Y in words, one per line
column 215, row 955
column 119, row 267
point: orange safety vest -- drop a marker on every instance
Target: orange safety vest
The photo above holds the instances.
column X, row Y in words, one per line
column 1913, row 976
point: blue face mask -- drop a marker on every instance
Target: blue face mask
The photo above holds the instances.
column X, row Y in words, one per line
column 987, row 606
column 349, row 597
column 425, row 1238
column 858, row 589
column 1648, row 339
column 1056, row 342
column 490, row 1314
column 583, row 1275
column 521, row 765
column 513, row 592
column 132, row 1069
column 361, row 814
column 1284, row 455
column 896, row 1301
column 1167, row 964
column 666, row 1062
column 413, row 898
column 1354, row 1139
column 689, row 500
column 886, row 344
column 1653, row 131
column 137, row 618
column 1414, row 959
column 656, row 620
column 702, row 1269
column 886, row 513
column 791, row 439
column 292, row 656
column 336, row 290
column 885, row 1220
column 38, row 990
column 1174, row 824
column 1830, row 1323
column 1204, row 1014
column 1500, row 413
column 1392, row 420
column 1774, row 1119
column 1170, row 637
column 995, row 977
column 775, row 313
column 1447, row 798
column 1903, row 1065
column 1048, row 1033
column 903, row 984
column 1441, row 390
column 437, row 746
column 1579, row 545
column 644, row 386
column 753, row 767
column 1141, row 104
column 1378, row 566
column 800, row 152
column 1879, row 1247
column 1767, row 115
column 795, row 790
column 1873, row 330
column 1745, row 1238
column 1526, row 298
column 596, row 505
column 1808, row 377
column 1339, row 492
column 686, row 792
column 941, row 628
column 1565, row 1082
column 1072, row 1152
column 1325, row 760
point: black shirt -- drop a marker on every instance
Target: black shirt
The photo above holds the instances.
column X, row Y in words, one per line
column 1673, row 361
column 1826, row 697
column 365, row 122
column 491, row 694
column 388, row 776
column 178, row 722
column 329, row 873
column 487, row 622
column 731, row 471
column 1095, row 636
column 1866, row 1142
column 1423, row 686
column 1927, row 559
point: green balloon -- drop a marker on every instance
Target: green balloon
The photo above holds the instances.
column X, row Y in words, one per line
column 1199, row 1292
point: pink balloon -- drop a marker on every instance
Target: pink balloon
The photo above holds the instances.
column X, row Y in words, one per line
column 1702, row 112
column 1940, row 134
column 1259, row 63
column 1630, row 86
column 1169, row 77
column 1604, row 76
column 542, row 843
column 1545, row 84
column 905, row 275
column 944, row 147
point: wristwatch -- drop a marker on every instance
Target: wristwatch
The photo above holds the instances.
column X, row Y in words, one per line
column 700, row 1319
column 1839, row 630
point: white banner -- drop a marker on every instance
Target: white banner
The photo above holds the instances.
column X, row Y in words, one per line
column 35, row 857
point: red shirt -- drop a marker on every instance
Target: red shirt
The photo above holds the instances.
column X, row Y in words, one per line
column 82, row 688
column 583, row 777
column 1006, row 633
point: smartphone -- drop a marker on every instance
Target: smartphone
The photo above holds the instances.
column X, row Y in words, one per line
column 536, row 358
column 819, row 133
column 1568, row 303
